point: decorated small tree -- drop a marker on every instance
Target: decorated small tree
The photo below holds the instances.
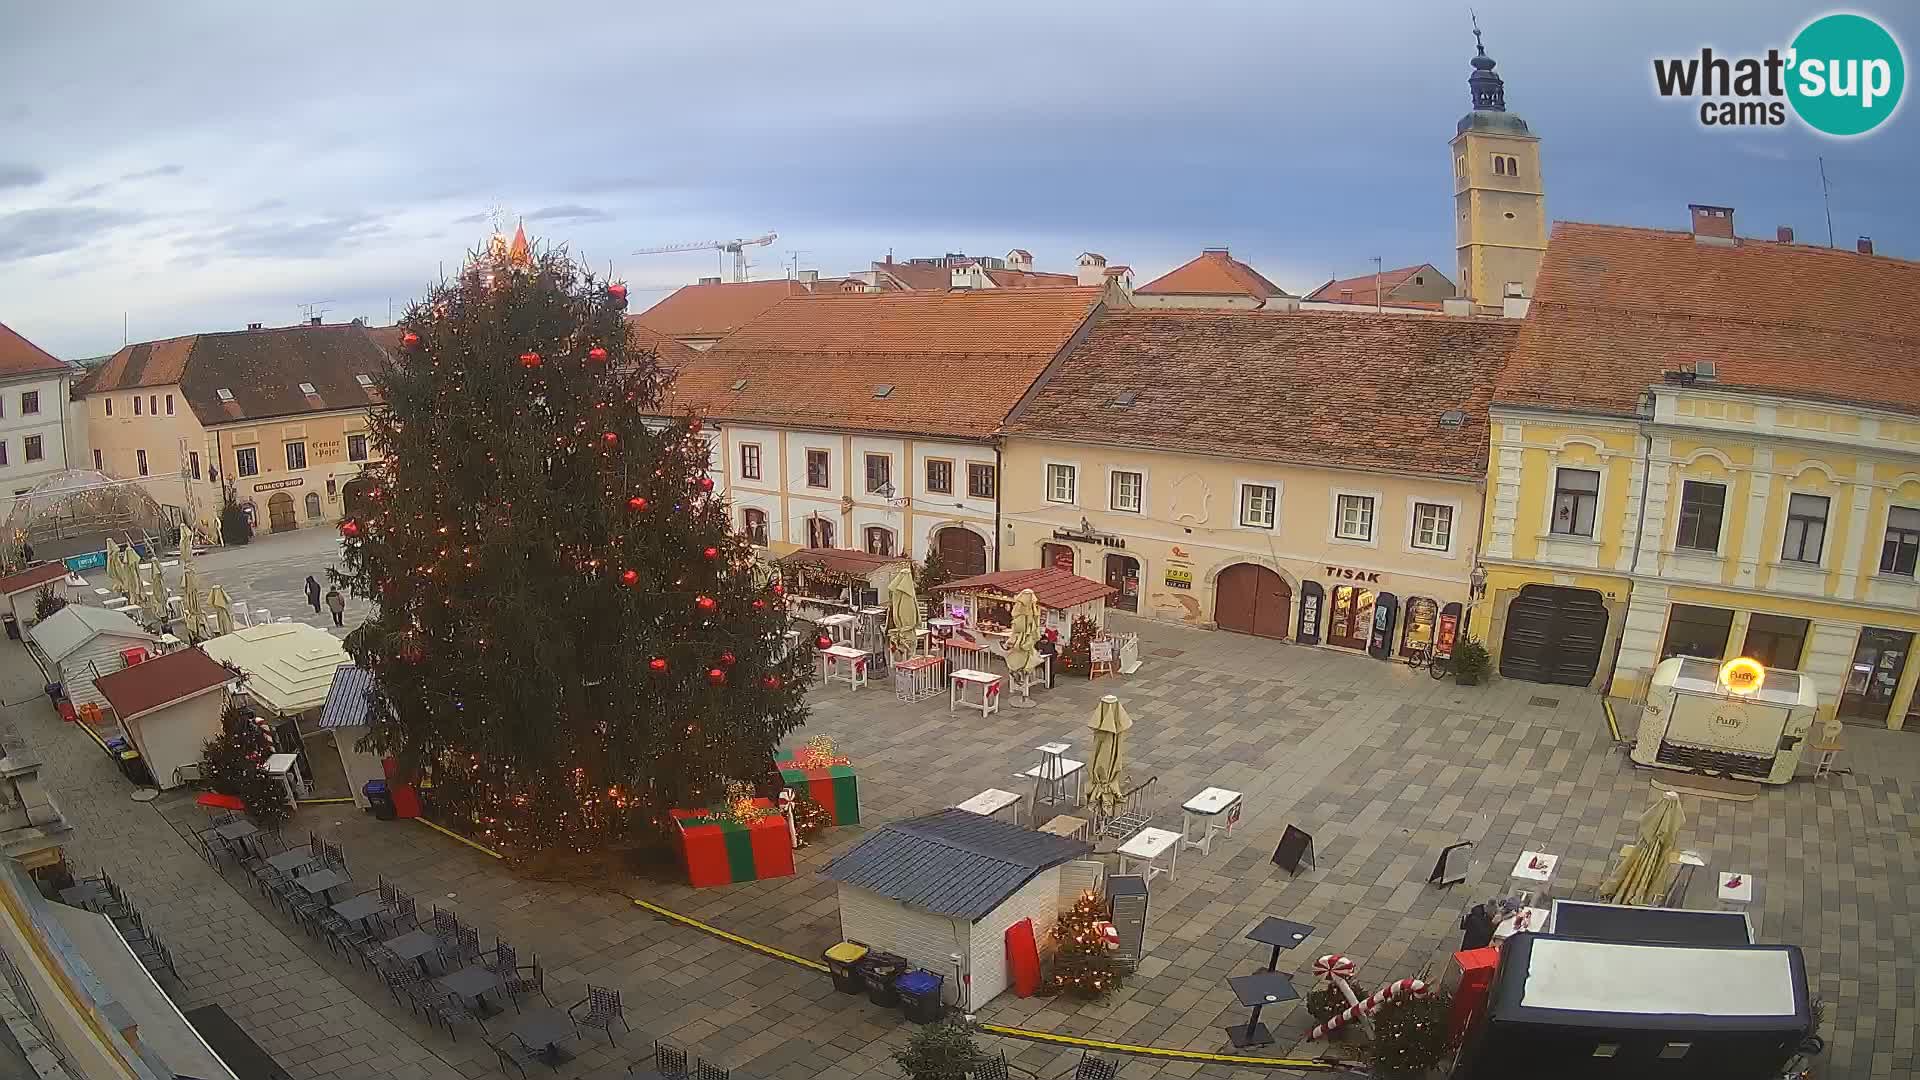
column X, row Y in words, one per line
column 235, row 528
column 943, row 1051
column 46, row 602
column 1083, row 963
column 1410, row 1036
column 1077, row 657
column 934, row 573
column 236, row 765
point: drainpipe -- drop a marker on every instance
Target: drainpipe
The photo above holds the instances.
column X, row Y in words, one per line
column 999, row 482
column 1639, row 530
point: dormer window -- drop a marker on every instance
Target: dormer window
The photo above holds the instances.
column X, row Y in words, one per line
column 366, row 381
column 307, row 389
column 224, row 395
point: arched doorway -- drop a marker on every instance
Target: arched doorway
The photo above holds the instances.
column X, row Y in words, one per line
column 1554, row 635
column 1057, row 556
column 353, row 496
column 1123, row 576
column 313, row 505
column 280, row 512
column 963, row 550
column 1250, row 599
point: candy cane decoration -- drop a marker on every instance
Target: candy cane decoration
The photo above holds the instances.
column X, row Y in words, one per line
column 1337, row 968
column 1393, row 991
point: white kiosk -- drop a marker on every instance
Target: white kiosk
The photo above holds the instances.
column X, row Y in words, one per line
column 1736, row 719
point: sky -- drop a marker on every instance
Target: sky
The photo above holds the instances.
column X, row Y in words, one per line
column 182, row 167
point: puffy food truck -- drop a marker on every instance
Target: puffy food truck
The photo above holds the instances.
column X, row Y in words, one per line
column 1735, row 719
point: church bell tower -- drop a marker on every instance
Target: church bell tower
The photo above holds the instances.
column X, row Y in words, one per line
column 1499, row 196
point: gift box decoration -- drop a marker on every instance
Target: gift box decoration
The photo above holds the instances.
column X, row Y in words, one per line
column 719, row 849
column 820, row 774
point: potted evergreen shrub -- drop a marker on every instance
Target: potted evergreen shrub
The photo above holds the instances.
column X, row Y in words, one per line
column 943, row 1051
column 46, row 602
column 1470, row 662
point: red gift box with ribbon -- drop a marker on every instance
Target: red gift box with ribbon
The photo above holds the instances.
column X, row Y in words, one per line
column 718, row 849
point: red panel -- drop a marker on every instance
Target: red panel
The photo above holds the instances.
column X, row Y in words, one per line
column 1023, row 958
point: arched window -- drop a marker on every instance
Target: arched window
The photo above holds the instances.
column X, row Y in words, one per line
column 879, row 540
column 1499, row 165
column 819, row 532
column 754, row 523
column 313, row 505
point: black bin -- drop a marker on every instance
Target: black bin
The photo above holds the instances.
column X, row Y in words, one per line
column 843, row 963
column 13, row 625
column 920, row 995
column 379, row 798
column 878, row 971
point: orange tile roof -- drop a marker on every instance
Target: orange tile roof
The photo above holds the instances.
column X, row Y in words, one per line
column 161, row 681
column 1054, row 588
column 957, row 361
column 1032, row 279
column 714, row 311
column 262, row 369
column 18, row 356
column 671, row 353
column 1333, row 388
column 147, row 363
column 1614, row 307
column 32, row 579
column 1213, row 273
column 1362, row 287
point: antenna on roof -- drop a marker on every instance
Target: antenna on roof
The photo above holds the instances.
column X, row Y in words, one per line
column 1825, row 188
column 314, row 309
column 1376, row 277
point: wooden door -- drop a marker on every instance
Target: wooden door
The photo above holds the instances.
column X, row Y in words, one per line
column 1554, row 635
column 1123, row 576
column 964, row 552
column 1249, row 599
column 1350, row 617
column 280, row 512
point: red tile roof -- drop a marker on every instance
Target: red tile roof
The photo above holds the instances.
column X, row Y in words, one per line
column 714, row 311
column 1054, row 588
column 1213, row 273
column 18, row 356
column 842, row 560
column 1340, row 389
column 1032, row 279
column 670, row 352
column 148, row 363
column 262, row 369
column 957, row 361
column 1614, row 307
column 161, row 681
column 32, row 579
column 1361, row 288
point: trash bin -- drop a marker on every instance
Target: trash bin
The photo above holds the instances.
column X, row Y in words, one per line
column 920, row 995
column 13, row 625
column 843, row 963
column 879, row 970
column 379, row 798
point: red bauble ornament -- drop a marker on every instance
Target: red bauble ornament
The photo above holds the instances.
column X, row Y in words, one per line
column 779, row 589
column 631, row 577
column 704, row 603
column 711, row 553
column 727, row 659
column 409, row 339
column 759, row 605
column 350, row 528
column 658, row 664
column 617, row 291
column 636, row 504
column 693, row 426
column 611, row 438
column 529, row 359
column 771, row 682
column 716, row 676
column 597, row 354
column 705, row 483
column 823, row 641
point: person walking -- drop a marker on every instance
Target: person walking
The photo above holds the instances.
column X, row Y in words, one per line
column 313, row 594
column 338, row 604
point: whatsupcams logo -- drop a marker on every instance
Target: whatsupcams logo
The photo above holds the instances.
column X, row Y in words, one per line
column 1843, row 75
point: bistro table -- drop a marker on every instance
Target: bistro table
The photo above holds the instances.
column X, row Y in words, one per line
column 1053, row 772
column 237, row 832
column 1211, row 807
column 414, row 945
column 855, row 662
column 321, row 882
column 1256, row 992
column 1279, row 933
column 359, row 908
column 1532, row 877
column 472, row 981
column 989, row 685
column 990, row 802
column 293, row 859
column 1146, row 847
column 542, row 1030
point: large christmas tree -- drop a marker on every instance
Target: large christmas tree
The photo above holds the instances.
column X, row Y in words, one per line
column 569, row 638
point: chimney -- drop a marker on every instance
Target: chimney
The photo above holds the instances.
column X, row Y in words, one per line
column 1020, row 259
column 253, row 326
column 960, row 277
column 1712, row 224
column 313, row 320
column 1784, row 234
column 1457, row 305
column 709, row 281
column 1864, row 245
column 809, row 277
column 1093, row 268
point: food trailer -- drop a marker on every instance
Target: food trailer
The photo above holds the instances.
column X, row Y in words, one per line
column 1736, row 719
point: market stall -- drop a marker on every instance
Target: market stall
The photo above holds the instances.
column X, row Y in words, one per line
column 1736, row 719
column 289, row 668
column 833, row 581
column 976, row 616
column 169, row 706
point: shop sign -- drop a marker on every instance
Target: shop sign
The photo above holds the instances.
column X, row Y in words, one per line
column 1449, row 630
column 1348, row 573
column 325, row 449
column 92, row 560
column 275, row 485
column 1740, row 675
column 1087, row 534
column 1179, row 575
column 1179, row 552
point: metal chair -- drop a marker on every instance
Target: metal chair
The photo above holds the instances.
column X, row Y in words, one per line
column 707, row 1070
column 505, row 966
column 403, row 915
column 992, row 1069
column 668, row 1060
column 1093, row 1068
column 460, row 950
column 515, row 1052
column 603, row 1008
column 526, row 978
column 407, row 986
column 452, row 1010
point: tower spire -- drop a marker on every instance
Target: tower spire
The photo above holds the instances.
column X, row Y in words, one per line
column 1488, row 92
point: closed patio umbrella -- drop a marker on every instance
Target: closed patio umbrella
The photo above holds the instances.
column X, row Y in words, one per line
column 1106, row 774
column 195, row 612
column 903, row 612
column 130, row 573
column 1025, row 636
column 154, row 600
column 112, row 566
column 1642, row 877
column 222, row 609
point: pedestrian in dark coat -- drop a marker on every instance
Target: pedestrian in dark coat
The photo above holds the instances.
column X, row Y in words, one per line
column 338, row 604
column 1479, row 929
column 313, row 594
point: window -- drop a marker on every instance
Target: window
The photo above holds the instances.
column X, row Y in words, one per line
column 1697, row 631
column 1499, row 165
column 32, row 443
column 819, row 532
column 940, row 476
column 979, row 480
column 1259, row 505
column 109, row 406
column 137, row 404
column 750, row 461
column 1060, row 483
column 1432, row 526
column 819, row 463
column 879, row 540
column 1576, row 494
column 246, row 461
column 98, row 464
column 140, row 460
column 1460, row 166
column 313, row 505
column 1124, row 491
column 1898, row 554
column 30, row 403
column 754, row 524
column 169, row 404
column 296, row 455
column 1354, row 520
column 1702, row 507
column 1776, row 640
column 1806, row 529
column 879, row 475
column 153, row 404
column 307, row 389
column 3, row 452
column 356, row 448
column 193, row 462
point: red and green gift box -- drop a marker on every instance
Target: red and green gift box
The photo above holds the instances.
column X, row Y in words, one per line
column 719, row 850
column 827, row 781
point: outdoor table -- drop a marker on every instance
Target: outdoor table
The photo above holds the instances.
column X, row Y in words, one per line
column 237, row 832
column 293, row 859
column 83, row 894
column 960, row 655
column 990, row 802
column 472, row 981
column 359, row 908
column 1066, row 769
column 1209, row 806
column 1279, row 933
column 414, row 945
column 321, row 882
column 1528, row 919
column 1146, row 847
column 1532, row 877
column 542, row 1030
column 838, row 627
column 989, row 685
column 917, row 678
column 1075, row 828
column 854, row 660
column 1256, row 992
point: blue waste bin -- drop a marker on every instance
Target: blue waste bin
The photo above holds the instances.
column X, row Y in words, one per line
column 379, row 799
column 920, row 995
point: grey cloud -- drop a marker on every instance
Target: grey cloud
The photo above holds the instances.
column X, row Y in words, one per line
column 471, row 219
column 88, row 192
column 27, row 233
column 268, row 204
column 19, row 175
column 569, row 212
column 293, row 240
column 149, row 174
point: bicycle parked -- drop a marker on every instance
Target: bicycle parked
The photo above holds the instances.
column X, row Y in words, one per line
column 1437, row 666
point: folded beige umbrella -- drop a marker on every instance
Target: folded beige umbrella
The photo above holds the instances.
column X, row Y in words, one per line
column 1024, row 639
column 1644, row 874
column 1106, row 773
column 222, row 609
column 153, row 600
column 191, row 606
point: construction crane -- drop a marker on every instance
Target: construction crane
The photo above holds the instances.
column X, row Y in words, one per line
column 736, row 248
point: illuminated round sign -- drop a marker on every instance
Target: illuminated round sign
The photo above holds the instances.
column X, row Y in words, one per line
column 1741, row 675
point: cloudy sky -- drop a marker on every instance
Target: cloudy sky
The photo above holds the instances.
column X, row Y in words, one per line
column 197, row 166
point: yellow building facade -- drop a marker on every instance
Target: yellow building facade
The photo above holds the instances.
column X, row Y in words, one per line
column 1500, row 213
